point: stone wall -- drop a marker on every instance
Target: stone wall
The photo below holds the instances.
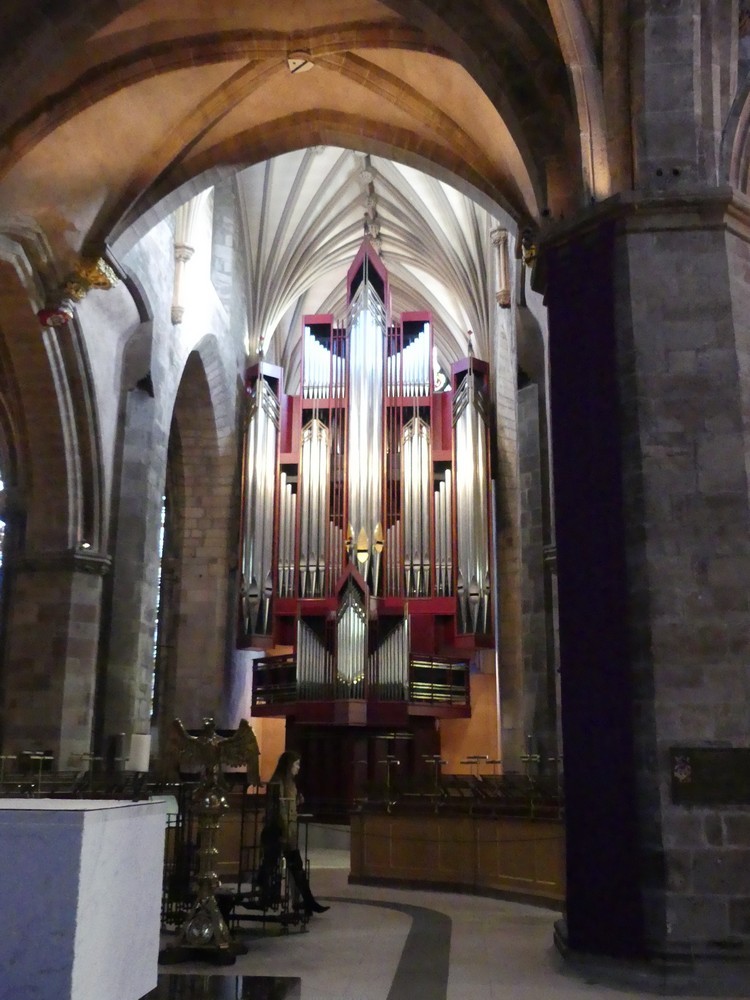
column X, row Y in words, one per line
column 195, row 376
column 53, row 638
column 689, row 571
column 648, row 361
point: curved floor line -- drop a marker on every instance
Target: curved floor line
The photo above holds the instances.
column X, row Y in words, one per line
column 425, row 958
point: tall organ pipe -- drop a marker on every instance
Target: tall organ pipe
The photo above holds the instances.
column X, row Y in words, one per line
column 471, row 503
column 314, row 477
column 257, row 562
column 365, row 458
column 415, row 463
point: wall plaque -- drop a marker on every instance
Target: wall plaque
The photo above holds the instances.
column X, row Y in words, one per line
column 710, row 776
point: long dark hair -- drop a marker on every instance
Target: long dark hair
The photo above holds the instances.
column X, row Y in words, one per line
column 283, row 771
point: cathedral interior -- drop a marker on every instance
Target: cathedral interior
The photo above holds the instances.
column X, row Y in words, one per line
column 378, row 371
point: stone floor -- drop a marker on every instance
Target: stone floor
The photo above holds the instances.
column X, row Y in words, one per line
column 387, row 944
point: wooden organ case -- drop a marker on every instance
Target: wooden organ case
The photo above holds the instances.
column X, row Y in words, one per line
column 365, row 555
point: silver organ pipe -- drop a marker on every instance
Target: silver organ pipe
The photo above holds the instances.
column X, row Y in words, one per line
column 365, row 450
column 443, row 537
column 313, row 664
column 314, row 479
column 405, row 655
column 415, row 478
column 439, row 499
column 291, row 543
column 472, row 476
column 351, row 643
column 393, row 556
column 336, row 553
column 303, row 661
column 409, row 372
column 260, row 459
column 323, row 371
column 389, row 664
column 287, row 507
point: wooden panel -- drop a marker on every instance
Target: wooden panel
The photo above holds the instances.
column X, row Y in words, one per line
column 505, row 855
column 457, row 840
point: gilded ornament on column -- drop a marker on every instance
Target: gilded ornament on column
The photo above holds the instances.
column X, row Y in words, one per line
column 89, row 272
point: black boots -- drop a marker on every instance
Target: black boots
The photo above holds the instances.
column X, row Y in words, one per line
column 313, row 906
column 296, row 869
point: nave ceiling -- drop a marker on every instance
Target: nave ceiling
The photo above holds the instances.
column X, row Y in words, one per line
column 304, row 217
column 119, row 111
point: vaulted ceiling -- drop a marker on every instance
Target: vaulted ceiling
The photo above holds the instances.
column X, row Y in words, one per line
column 114, row 105
column 305, row 215
column 121, row 109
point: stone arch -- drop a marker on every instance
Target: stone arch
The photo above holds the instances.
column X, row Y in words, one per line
column 298, row 131
column 53, row 581
column 578, row 48
column 717, row 68
column 202, row 479
column 59, row 447
column 735, row 153
column 510, row 50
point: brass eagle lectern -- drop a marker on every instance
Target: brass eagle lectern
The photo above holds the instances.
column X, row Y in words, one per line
column 204, row 932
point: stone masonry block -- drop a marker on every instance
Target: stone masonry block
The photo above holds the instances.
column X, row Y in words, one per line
column 722, row 872
column 739, row 916
column 696, row 918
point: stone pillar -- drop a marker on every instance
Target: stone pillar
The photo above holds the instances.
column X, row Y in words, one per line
column 649, row 360
column 514, row 724
column 182, row 254
column 129, row 631
column 538, row 664
column 186, row 219
column 51, row 656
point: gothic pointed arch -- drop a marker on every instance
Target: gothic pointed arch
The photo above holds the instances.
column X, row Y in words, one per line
column 201, row 498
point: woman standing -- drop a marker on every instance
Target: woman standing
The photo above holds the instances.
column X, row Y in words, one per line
column 280, row 831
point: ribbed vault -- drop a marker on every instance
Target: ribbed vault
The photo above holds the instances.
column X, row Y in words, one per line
column 304, row 216
column 118, row 105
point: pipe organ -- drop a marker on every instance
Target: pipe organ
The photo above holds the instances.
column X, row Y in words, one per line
column 365, row 552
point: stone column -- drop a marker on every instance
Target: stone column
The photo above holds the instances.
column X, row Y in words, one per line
column 649, row 357
column 504, row 361
column 129, row 627
column 499, row 239
column 539, row 697
column 182, row 254
column 186, row 220
column 51, row 656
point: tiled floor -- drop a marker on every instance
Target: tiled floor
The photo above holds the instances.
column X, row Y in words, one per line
column 387, row 944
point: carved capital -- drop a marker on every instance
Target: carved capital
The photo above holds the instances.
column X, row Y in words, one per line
column 499, row 237
column 183, row 252
column 89, row 272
